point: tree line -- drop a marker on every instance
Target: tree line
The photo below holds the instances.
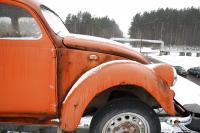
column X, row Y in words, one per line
column 85, row 23
column 174, row 27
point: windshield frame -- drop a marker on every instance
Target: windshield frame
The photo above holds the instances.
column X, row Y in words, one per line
column 66, row 32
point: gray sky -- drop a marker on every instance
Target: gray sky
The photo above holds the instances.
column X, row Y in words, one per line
column 122, row 11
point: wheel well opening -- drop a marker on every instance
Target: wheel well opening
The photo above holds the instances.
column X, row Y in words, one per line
column 125, row 91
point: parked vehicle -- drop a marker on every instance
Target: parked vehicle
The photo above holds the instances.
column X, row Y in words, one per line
column 188, row 53
column 51, row 77
column 180, row 71
column 195, row 71
column 181, row 53
column 197, row 54
column 164, row 52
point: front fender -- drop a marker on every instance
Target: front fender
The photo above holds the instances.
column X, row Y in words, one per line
column 107, row 75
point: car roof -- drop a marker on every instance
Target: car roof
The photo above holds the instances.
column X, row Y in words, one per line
column 178, row 67
column 30, row 3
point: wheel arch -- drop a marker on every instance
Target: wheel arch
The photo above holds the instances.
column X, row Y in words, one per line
column 108, row 76
column 117, row 92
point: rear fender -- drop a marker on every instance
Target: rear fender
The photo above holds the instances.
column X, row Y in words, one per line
column 107, row 75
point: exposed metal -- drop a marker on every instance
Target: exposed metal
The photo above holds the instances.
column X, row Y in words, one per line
column 127, row 123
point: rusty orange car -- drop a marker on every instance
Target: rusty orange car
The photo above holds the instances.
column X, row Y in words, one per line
column 47, row 73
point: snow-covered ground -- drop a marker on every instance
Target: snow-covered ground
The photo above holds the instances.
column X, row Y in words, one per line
column 175, row 60
column 186, row 91
column 165, row 127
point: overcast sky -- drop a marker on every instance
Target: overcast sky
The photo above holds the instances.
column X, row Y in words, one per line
column 122, row 11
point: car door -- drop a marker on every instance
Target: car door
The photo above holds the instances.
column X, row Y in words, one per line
column 27, row 63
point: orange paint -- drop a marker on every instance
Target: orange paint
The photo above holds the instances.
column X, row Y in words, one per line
column 28, row 73
column 40, row 78
column 119, row 73
column 103, row 46
column 78, row 61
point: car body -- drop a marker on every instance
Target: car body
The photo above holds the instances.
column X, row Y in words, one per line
column 188, row 53
column 180, row 71
column 181, row 53
column 48, row 73
column 195, row 71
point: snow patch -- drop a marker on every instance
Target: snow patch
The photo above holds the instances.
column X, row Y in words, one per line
column 184, row 61
column 186, row 91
